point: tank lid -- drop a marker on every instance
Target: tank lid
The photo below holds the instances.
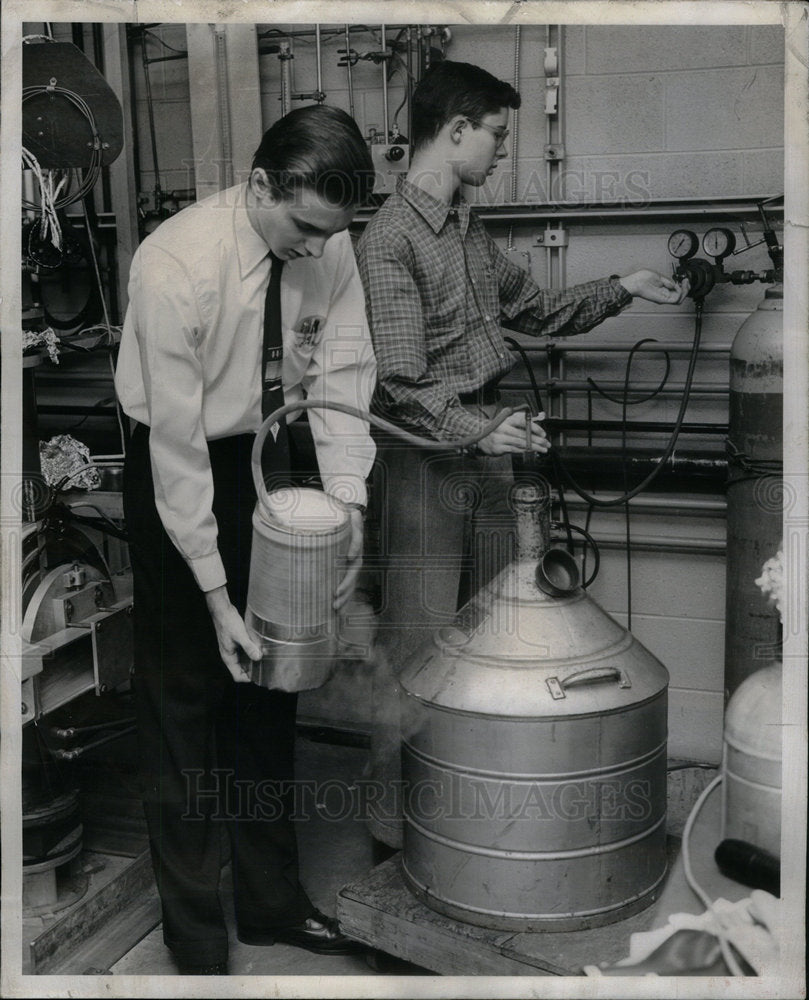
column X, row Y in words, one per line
column 296, row 509
column 522, row 656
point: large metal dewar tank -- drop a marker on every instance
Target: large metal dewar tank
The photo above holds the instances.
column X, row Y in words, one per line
column 534, row 753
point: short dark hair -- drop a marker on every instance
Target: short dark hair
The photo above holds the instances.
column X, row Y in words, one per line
column 455, row 88
column 320, row 148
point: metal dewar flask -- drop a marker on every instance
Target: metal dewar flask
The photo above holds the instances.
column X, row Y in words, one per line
column 534, row 753
column 300, row 539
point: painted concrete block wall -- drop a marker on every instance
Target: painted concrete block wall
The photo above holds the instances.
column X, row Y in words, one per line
column 653, row 112
column 666, row 111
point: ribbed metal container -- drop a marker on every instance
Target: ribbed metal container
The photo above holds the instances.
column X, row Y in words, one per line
column 300, row 539
column 534, row 756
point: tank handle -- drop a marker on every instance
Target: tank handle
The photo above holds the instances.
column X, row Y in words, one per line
column 587, row 676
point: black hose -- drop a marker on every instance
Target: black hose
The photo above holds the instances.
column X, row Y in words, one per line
column 627, row 495
column 640, row 399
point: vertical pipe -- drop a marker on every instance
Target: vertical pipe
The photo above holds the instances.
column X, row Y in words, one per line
column 223, row 101
column 318, row 59
column 515, row 130
column 135, row 137
column 385, row 88
column 349, row 73
column 285, row 57
column 158, row 194
column 409, row 84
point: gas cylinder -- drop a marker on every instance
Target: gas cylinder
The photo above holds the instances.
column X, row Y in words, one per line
column 534, row 753
column 754, row 494
column 751, row 762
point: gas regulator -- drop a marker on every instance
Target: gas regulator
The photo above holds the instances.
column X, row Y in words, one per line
column 720, row 243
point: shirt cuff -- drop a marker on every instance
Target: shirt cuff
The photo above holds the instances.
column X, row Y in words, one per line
column 209, row 571
column 458, row 423
column 622, row 296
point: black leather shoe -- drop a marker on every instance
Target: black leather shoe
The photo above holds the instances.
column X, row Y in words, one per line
column 317, row 933
column 214, row 969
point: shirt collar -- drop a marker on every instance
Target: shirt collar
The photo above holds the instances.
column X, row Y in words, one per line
column 433, row 211
column 250, row 247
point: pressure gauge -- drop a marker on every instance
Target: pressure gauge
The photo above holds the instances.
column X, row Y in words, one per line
column 683, row 244
column 719, row 243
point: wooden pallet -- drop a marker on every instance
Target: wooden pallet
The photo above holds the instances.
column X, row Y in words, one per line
column 120, row 907
column 380, row 911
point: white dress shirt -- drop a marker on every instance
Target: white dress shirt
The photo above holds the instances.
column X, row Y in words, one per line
column 189, row 360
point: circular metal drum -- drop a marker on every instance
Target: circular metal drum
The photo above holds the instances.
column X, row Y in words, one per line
column 534, row 757
column 300, row 539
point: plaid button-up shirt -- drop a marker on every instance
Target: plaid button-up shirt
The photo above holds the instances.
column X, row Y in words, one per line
column 438, row 291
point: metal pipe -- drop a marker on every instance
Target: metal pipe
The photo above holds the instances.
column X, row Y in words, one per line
column 636, row 426
column 409, row 84
column 644, row 543
column 170, row 58
column 223, row 103
column 582, row 386
column 601, row 459
column 318, row 60
column 309, row 32
column 152, row 131
column 706, row 507
column 612, row 466
column 515, row 131
column 349, row 72
column 385, row 87
column 595, row 212
column 650, row 504
column 285, row 57
column 663, row 345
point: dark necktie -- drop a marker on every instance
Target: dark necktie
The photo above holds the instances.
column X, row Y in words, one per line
column 275, row 458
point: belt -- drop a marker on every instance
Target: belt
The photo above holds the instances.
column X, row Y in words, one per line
column 484, row 396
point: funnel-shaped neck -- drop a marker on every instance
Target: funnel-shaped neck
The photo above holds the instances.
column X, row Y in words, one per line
column 532, row 514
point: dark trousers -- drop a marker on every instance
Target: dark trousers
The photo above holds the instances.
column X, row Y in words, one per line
column 446, row 530
column 213, row 753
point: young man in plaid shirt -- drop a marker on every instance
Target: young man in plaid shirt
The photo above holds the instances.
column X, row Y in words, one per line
column 438, row 293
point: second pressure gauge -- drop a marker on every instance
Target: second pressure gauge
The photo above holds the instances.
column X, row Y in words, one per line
column 683, row 244
column 719, row 243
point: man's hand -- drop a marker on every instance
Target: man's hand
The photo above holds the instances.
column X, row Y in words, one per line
column 231, row 634
column 655, row 287
column 353, row 561
column 510, row 437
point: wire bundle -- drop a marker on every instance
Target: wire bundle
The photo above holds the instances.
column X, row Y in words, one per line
column 74, row 185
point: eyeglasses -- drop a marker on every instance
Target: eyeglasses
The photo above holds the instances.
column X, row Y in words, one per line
column 500, row 134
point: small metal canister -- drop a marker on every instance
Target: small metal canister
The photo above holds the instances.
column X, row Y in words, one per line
column 300, row 540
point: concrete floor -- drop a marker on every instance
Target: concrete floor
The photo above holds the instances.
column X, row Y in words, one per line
column 335, row 848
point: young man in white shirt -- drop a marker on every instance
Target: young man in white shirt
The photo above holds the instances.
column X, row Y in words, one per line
column 189, row 374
